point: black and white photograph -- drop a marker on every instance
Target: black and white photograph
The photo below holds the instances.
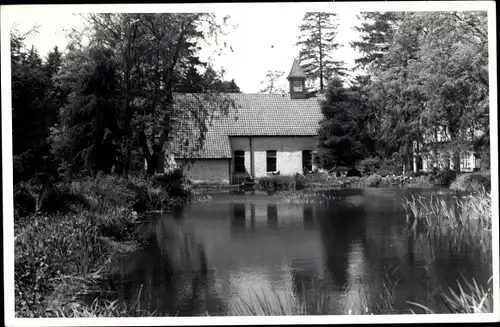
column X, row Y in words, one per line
column 267, row 163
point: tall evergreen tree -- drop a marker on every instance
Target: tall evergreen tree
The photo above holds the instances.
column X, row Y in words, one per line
column 317, row 43
column 340, row 137
column 376, row 33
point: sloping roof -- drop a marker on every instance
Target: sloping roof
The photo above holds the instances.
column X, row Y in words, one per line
column 260, row 115
column 297, row 70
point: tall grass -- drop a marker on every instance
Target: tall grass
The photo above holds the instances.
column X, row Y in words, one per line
column 271, row 303
column 466, row 223
column 470, row 298
column 468, row 218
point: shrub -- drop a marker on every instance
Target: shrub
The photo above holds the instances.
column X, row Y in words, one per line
column 282, row 182
column 25, row 202
column 423, row 181
column 373, row 180
column 371, row 164
column 445, row 177
column 471, row 182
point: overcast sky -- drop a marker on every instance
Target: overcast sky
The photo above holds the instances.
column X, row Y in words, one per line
column 262, row 39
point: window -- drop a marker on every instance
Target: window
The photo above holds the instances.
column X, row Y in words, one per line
column 307, row 160
column 297, row 86
column 239, row 161
column 271, row 161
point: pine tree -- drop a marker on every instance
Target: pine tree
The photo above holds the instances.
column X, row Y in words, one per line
column 340, row 133
column 376, row 31
column 317, row 45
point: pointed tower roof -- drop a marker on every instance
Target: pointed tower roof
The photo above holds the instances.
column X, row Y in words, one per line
column 296, row 70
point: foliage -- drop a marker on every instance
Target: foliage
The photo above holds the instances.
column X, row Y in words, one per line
column 340, row 133
column 282, row 182
column 444, row 177
column 472, row 182
column 373, row 180
column 138, row 62
column 376, row 32
column 89, row 122
column 34, row 107
column 317, row 45
column 428, row 76
column 272, row 77
column 81, row 241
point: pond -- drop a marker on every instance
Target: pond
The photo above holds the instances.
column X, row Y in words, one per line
column 348, row 254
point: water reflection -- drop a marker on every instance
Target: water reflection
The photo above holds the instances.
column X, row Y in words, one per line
column 272, row 216
column 349, row 251
column 238, row 219
column 308, row 213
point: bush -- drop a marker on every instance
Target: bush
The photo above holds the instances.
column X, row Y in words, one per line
column 282, row 182
column 422, row 181
column 445, row 177
column 369, row 165
column 471, row 182
column 373, row 180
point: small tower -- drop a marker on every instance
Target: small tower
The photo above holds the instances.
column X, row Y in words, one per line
column 297, row 80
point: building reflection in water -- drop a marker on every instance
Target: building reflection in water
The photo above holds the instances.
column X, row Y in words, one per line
column 308, row 217
column 252, row 217
column 272, row 216
column 238, row 218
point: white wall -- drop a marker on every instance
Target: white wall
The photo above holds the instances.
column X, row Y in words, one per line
column 433, row 159
column 288, row 156
column 208, row 170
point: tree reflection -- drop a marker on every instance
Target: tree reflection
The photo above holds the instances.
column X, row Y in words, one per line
column 168, row 276
column 342, row 225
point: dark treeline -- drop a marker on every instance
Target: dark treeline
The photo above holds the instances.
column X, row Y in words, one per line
column 424, row 76
column 106, row 103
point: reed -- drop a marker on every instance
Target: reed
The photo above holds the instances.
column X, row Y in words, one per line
column 270, row 303
column 470, row 298
column 465, row 223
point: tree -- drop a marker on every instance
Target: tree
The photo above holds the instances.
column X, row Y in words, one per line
column 340, row 140
column 86, row 138
column 453, row 72
column 430, row 78
column 272, row 77
column 30, row 126
column 153, row 53
column 376, row 31
column 317, row 45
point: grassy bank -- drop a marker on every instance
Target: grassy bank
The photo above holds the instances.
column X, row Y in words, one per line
column 66, row 236
column 322, row 181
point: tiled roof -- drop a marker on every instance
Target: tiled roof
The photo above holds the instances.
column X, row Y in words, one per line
column 296, row 70
column 259, row 115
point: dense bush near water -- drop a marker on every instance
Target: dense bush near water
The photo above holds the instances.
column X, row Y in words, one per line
column 471, row 182
column 282, row 182
column 62, row 248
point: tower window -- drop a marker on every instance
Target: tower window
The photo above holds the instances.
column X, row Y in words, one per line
column 297, row 86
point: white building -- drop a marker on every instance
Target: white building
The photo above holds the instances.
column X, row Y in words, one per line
column 269, row 133
column 437, row 157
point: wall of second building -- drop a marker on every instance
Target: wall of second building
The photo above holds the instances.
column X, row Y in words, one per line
column 207, row 170
column 288, row 152
column 468, row 162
